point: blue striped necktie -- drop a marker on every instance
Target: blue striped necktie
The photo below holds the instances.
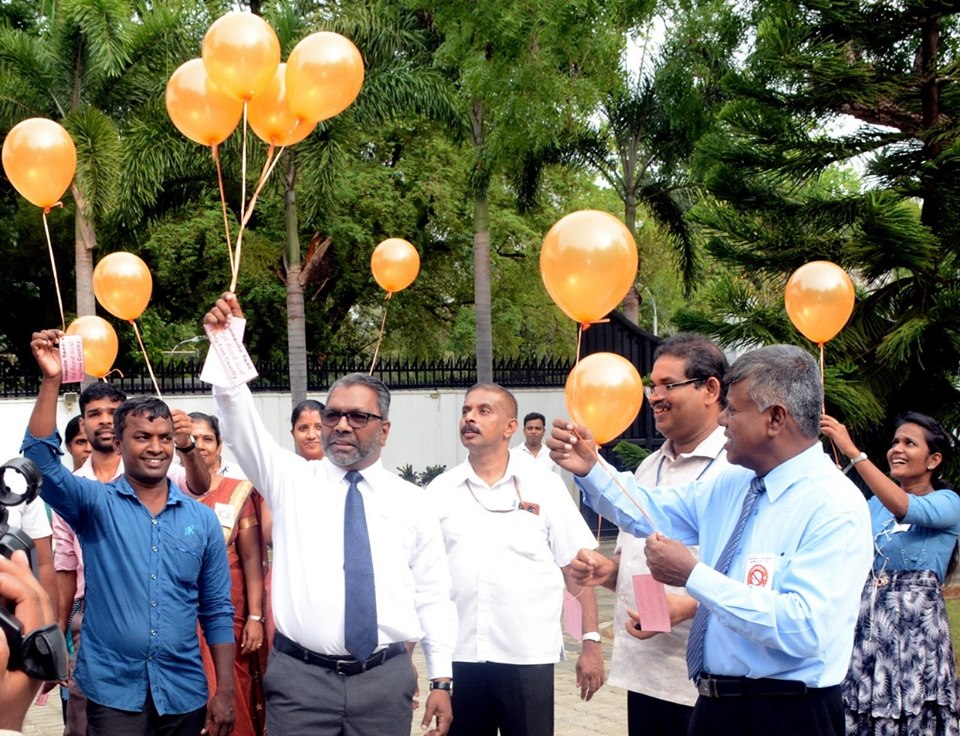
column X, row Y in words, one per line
column 698, row 629
column 360, row 593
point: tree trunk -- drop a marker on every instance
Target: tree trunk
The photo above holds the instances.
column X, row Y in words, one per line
column 85, row 240
column 481, row 287
column 631, row 302
column 481, row 252
column 296, row 315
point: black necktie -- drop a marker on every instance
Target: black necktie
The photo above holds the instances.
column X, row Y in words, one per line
column 360, row 596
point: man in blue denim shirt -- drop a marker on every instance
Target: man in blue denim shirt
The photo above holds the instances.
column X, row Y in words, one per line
column 155, row 565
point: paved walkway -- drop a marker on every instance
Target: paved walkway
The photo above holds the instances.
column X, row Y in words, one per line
column 605, row 714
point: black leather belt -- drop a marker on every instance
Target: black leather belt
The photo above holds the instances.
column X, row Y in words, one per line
column 713, row 686
column 343, row 665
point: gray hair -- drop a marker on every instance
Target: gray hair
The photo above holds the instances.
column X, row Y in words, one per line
column 783, row 375
column 371, row 382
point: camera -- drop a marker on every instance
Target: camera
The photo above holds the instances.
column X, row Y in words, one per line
column 41, row 654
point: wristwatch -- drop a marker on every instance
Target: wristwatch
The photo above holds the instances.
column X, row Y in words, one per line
column 591, row 636
column 444, row 685
column 189, row 448
column 258, row 619
column 853, row 461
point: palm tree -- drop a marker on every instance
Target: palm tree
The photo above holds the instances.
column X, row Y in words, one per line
column 97, row 66
column 398, row 81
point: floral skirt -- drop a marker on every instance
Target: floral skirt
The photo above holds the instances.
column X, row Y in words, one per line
column 902, row 679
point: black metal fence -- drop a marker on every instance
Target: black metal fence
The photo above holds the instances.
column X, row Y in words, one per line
column 183, row 376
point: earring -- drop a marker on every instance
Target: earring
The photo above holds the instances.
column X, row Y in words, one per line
column 929, row 467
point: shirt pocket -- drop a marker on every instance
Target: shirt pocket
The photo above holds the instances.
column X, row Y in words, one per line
column 188, row 557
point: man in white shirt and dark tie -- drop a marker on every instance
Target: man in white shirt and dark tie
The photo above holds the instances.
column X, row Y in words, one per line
column 359, row 572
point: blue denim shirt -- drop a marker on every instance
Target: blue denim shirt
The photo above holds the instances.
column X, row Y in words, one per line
column 923, row 539
column 149, row 580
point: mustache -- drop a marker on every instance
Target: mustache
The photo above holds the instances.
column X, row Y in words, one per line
column 469, row 429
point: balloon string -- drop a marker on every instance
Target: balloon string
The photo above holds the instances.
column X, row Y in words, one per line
column 112, row 370
column 53, row 264
column 616, row 480
column 146, row 358
column 243, row 165
column 833, row 445
column 580, row 330
column 383, row 324
column 223, row 205
column 268, row 166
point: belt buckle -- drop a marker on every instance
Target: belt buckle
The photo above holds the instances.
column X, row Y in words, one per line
column 707, row 687
column 347, row 667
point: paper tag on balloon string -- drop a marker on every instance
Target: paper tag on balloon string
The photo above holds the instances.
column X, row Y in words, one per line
column 228, row 363
column 651, row 603
column 71, row 358
column 572, row 615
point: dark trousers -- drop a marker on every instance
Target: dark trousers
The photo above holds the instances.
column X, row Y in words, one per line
column 104, row 721
column 647, row 716
column 309, row 700
column 818, row 713
column 75, row 707
column 516, row 698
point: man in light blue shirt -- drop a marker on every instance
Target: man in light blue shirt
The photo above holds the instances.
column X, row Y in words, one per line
column 784, row 542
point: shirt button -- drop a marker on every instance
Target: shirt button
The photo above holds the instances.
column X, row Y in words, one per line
column 155, row 522
column 153, row 576
column 153, row 603
column 153, row 632
column 154, row 548
column 150, row 658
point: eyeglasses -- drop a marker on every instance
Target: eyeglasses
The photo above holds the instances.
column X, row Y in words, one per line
column 356, row 419
column 661, row 391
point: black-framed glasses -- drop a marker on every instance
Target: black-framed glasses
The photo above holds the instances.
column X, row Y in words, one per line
column 356, row 419
column 662, row 390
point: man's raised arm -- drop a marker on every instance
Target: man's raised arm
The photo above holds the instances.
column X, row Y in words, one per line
column 46, row 350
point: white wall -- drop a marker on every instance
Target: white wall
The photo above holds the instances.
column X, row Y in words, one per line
column 424, row 423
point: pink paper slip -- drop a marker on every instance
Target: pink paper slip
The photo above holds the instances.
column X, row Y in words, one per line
column 71, row 358
column 651, row 603
column 572, row 615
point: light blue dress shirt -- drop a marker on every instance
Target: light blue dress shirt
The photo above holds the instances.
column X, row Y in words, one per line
column 809, row 540
column 923, row 539
column 149, row 580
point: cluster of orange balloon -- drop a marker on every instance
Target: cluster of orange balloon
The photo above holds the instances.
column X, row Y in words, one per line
column 239, row 73
column 588, row 263
column 819, row 299
column 395, row 264
column 122, row 284
column 40, row 159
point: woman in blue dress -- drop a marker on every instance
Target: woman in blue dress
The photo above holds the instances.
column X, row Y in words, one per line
column 902, row 677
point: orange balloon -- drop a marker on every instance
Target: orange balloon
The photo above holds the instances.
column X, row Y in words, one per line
column 99, row 344
column 39, row 159
column 819, row 299
column 122, row 284
column 270, row 117
column 241, row 53
column 588, row 263
column 199, row 108
column 395, row 264
column 604, row 393
column 324, row 76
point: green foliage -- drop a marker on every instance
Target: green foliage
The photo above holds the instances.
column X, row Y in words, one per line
column 422, row 478
column 781, row 193
column 629, row 456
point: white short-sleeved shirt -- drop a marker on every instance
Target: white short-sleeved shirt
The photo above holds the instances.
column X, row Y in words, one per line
column 30, row 518
column 505, row 567
column 542, row 459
